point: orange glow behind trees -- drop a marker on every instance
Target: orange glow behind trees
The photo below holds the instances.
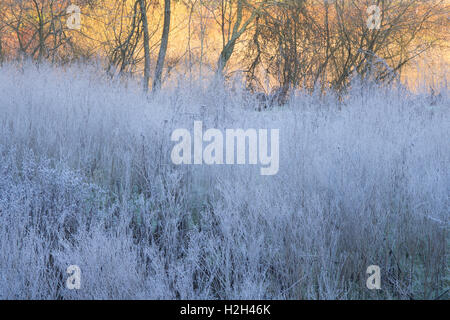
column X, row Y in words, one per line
column 326, row 35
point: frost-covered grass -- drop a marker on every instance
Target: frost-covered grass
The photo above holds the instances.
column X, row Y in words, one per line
column 86, row 179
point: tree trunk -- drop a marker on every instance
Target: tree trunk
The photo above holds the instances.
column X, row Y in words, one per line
column 163, row 47
column 238, row 30
column 146, row 44
column 1, row 50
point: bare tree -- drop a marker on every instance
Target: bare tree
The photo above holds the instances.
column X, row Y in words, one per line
column 121, row 42
column 301, row 42
column 2, row 31
column 37, row 29
column 234, row 19
column 146, row 44
column 163, row 47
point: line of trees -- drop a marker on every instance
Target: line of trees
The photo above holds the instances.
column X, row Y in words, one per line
column 35, row 29
column 286, row 43
column 311, row 42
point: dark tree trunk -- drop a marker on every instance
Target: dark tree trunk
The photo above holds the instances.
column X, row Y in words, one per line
column 163, row 47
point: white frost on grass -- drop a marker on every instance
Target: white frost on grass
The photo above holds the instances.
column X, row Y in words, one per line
column 86, row 179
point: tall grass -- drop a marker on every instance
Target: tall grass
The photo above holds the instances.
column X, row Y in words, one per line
column 86, row 179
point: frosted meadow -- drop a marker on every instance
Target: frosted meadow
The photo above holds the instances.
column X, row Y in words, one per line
column 87, row 179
